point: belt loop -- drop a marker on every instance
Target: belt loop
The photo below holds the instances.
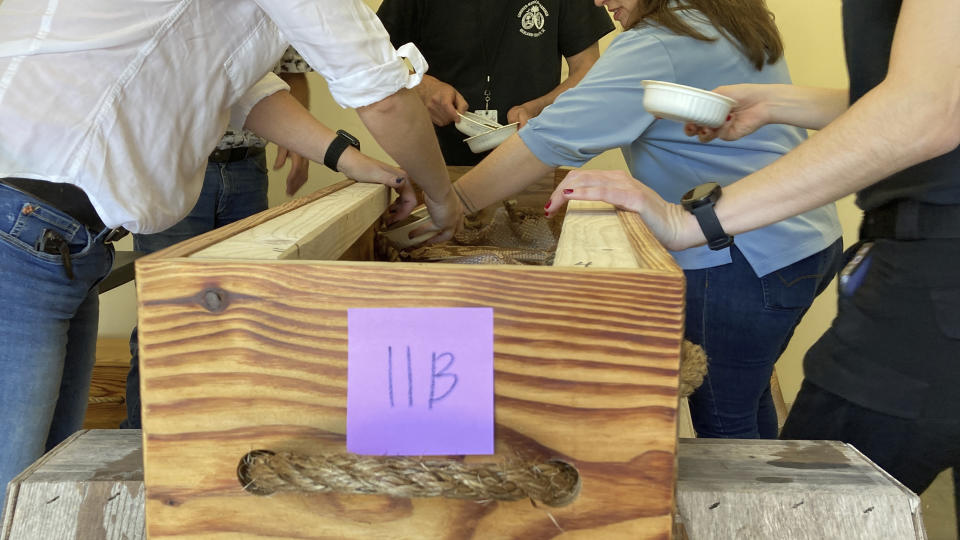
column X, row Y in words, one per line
column 907, row 226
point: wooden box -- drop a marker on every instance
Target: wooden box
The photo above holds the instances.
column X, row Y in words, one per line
column 243, row 346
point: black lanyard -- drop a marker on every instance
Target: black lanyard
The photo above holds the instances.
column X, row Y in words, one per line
column 489, row 60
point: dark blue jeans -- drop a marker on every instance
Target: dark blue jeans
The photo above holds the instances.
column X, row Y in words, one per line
column 48, row 328
column 744, row 323
column 231, row 192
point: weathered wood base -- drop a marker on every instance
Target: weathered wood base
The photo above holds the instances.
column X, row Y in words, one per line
column 91, row 487
column 88, row 487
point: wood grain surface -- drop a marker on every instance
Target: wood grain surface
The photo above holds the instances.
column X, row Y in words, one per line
column 321, row 230
column 585, row 369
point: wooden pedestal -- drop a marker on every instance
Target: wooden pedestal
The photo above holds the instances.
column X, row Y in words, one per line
column 90, row 488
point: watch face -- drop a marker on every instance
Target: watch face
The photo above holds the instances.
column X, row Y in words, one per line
column 703, row 194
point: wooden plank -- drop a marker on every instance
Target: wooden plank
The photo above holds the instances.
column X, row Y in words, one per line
column 595, row 234
column 197, row 243
column 90, row 486
column 587, row 372
column 807, row 490
column 322, row 230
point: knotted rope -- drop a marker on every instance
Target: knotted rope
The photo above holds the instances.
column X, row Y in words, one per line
column 553, row 483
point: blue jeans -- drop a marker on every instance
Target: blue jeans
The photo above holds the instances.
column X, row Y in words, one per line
column 231, row 192
column 744, row 323
column 48, row 328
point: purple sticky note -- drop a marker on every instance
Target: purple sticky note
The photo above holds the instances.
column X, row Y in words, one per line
column 420, row 381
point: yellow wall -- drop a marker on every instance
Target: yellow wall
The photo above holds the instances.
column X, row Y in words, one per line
column 814, row 51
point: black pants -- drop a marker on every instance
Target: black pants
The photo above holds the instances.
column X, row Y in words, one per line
column 885, row 377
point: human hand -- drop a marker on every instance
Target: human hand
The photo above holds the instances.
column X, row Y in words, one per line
column 521, row 113
column 446, row 216
column 748, row 115
column 666, row 221
column 442, row 100
column 299, row 167
column 362, row 168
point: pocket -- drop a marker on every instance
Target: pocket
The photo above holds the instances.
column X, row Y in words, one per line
column 794, row 287
column 785, row 290
column 946, row 310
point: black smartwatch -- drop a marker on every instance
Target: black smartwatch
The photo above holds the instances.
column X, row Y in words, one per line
column 336, row 148
column 699, row 201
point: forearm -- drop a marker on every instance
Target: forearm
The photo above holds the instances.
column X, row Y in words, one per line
column 506, row 171
column 281, row 119
column 855, row 151
column 805, row 107
column 401, row 125
column 578, row 65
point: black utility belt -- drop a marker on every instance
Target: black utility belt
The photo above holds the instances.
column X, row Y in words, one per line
column 911, row 220
column 66, row 198
column 229, row 155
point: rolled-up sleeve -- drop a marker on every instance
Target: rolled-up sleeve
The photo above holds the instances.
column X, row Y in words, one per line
column 345, row 42
column 270, row 84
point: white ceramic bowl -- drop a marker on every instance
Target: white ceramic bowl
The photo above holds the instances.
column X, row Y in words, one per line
column 685, row 103
column 491, row 139
column 399, row 232
column 470, row 127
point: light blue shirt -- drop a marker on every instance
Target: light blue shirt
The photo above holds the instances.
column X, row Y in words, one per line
column 605, row 110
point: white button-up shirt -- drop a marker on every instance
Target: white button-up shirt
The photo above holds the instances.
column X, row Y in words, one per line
column 126, row 98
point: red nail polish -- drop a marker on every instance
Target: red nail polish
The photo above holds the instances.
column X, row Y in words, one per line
column 547, row 205
column 729, row 116
column 567, row 191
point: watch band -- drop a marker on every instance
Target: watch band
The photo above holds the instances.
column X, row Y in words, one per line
column 717, row 238
column 337, row 147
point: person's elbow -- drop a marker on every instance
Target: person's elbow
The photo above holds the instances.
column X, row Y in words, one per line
column 931, row 116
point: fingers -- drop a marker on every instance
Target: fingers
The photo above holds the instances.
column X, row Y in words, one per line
column 281, row 157
column 460, row 103
column 614, row 187
column 522, row 117
column 299, row 172
column 518, row 114
column 703, row 133
column 406, row 201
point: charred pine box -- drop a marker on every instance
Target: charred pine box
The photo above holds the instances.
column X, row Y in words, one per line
column 243, row 346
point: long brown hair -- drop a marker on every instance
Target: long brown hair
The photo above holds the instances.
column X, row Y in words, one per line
column 747, row 22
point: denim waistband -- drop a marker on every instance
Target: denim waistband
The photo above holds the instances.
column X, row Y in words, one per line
column 27, row 219
column 67, row 199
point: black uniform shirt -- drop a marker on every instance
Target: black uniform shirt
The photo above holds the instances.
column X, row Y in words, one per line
column 518, row 43
column 868, row 27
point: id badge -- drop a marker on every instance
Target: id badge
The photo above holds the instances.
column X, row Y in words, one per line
column 489, row 114
column 853, row 273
